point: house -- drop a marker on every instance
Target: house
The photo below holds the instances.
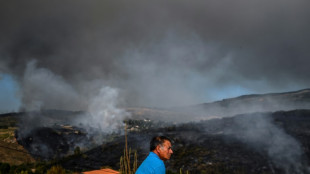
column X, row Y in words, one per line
column 102, row 171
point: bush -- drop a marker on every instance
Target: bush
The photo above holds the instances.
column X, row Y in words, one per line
column 4, row 168
column 77, row 150
column 40, row 168
column 20, row 169
column 56, row 170
column 4, row 127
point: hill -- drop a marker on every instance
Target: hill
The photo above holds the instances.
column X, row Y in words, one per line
column 255, row 143
column 251, row 134
column 10, row 151
column 260, row 103
column 270, row 102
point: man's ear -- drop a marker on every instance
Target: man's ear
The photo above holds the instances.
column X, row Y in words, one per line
column 158, row 148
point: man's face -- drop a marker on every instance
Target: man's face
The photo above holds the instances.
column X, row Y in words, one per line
column 165, row 151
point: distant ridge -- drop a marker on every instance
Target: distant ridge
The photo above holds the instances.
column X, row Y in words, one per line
column 269, row 94
column 269, row 102
column 245, row 104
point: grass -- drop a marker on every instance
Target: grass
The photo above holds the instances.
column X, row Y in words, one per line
column 10, row 151
column 125, row 164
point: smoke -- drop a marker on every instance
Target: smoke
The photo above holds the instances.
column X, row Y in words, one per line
column 104, row 113
column 259, row 132
column 179, row 51
column 38, row 130
column 102, row 55
column 43, row 88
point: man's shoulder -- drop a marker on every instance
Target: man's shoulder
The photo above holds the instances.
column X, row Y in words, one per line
column 152, row 164
column 154, row 159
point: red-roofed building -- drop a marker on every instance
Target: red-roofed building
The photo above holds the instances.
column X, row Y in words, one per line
column 102, row 171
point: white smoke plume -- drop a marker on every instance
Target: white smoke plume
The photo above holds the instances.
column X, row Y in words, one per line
column 104, row 113
column 48, row 90
column 259, row 132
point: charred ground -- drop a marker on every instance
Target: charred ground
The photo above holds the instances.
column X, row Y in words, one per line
column 203, row 147
column 252, row 143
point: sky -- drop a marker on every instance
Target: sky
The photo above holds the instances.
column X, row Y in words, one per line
column 61, row 54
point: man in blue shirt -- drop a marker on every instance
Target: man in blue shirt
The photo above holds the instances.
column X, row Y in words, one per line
column 160, row 151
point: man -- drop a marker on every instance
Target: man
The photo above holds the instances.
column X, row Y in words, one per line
column 160, row 151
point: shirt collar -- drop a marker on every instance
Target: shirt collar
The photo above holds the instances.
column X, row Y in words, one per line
column 154, row 154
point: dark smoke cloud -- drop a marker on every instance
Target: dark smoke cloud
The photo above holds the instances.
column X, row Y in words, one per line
column 98, row 55
column 157, row 53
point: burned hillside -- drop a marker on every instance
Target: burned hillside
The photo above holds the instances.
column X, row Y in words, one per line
column 212, row 145
column 254, row 143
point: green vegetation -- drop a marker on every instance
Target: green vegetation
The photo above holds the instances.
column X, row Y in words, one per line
column 7, row 128
column 56, row 170
column 77, row 150
column 38, row 168
column 7, row 121
column 6, row 168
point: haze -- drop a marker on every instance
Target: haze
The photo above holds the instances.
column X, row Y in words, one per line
column 60, row 54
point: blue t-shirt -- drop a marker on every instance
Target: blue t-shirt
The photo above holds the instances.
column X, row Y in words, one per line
column 152, row 165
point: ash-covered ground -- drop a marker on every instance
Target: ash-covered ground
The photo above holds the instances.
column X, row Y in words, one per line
column 218, row 145
column 269, row 142
column 255, row 142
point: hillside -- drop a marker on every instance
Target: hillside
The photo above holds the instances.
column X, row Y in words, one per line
column 254, row 141
column 270, row 102
column 260, row 103
column 10, row 151
column 224, row 144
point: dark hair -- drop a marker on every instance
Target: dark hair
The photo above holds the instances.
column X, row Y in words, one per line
column 158, row 140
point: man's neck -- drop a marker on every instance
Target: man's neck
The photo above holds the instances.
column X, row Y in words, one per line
column 154, row 151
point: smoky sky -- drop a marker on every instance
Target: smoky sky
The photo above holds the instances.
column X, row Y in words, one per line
column 156, row 53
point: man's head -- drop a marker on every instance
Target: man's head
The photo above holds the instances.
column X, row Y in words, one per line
column 161, row 146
